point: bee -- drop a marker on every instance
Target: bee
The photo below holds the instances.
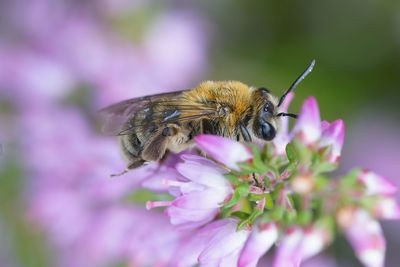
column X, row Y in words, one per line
column 148, row 127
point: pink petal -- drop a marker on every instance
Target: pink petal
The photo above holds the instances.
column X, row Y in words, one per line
column 231, row 259
column 333, row 135
column 226, row 241
column 202, row 174
column 325, row 125
column 366, row 237
column 188, row 252
column 387, row 208
column 375, row 184
column 184, row 217
column 207, row 199
column 314, row 241
column 260, row 241
column 203, row 161
column 288, row 249
column 308, row 124
column 224, row 150
column 282, row 138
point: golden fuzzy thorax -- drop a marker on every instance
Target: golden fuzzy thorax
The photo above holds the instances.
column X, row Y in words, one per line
column 234, row 96
column 238, row 99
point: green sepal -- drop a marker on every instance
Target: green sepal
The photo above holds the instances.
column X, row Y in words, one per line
column 291, row 153
column 324, row 166
column 277, row 214
column 290, row 216
column 250, row 220
column 328, row 222
column 246, row 169
column 241, row 191
column 267, row 182
column 258, row 163
column 350, row 179
column 255, row 197
column 304, row 217
column 321, row 182
column 269, row 202
column 303, row 153
column 231, row 177
column 369, row 202
column 240, row 215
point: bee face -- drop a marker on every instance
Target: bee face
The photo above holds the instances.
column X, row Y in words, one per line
column 264, row 121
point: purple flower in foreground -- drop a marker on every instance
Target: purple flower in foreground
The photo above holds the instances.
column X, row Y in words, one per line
column 311, row 131
column 300, row 244
column 387, row 208
column 223, row 150
column 261, row 239
column 375, row 184
column 365, row 235
column 333, row 135
column 200, row 196
column 224, row 248
column 282, row 137
column 308, row 125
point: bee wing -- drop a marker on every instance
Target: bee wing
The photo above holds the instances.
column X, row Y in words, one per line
column 114, row 117
column 175, row 110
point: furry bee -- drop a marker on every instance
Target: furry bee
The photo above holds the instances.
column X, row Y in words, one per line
column 148, row 127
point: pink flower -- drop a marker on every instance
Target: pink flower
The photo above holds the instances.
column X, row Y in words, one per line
column 315, row 239
column 30, row 77
column 224, row 248
column 188, row 251
column 387, row 208
column 308, row 124
column 333, row 135
column 298, row 245
column 261, row 239
column 282, row 137
column 375, row 184
column 200, row 196
column 287, row 254
column 224, row 150
column 366, row 237
column 172, row 34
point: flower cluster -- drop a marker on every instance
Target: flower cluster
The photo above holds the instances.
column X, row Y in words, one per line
column 247, row 199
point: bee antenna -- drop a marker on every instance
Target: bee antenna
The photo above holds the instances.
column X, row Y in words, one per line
column 282, row 114
column 297, row 81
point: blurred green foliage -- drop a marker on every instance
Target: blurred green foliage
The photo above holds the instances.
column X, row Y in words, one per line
column 268, row 43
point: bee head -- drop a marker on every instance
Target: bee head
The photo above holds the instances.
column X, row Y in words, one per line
column 265, row 122
column 264, row 117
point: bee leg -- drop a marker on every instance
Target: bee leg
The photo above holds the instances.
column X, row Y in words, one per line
column 132, row 165
column 155, row 149
column 120, row 173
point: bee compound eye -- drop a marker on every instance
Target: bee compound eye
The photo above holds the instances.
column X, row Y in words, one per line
column 268, row 131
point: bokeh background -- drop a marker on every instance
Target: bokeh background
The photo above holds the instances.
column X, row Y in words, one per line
column 60, row 61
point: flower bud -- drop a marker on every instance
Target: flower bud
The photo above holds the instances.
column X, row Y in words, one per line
column 302, row 184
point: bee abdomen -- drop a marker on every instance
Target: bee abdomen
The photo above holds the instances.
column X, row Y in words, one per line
column 131, row 145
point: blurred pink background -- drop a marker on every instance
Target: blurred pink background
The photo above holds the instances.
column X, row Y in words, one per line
column 60, row 61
